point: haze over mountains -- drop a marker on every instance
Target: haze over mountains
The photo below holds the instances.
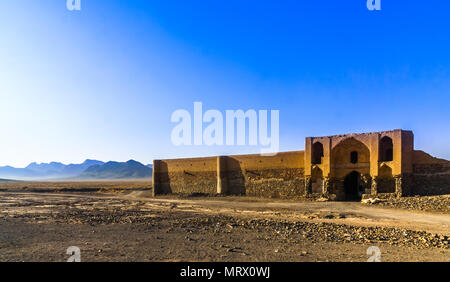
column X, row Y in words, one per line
column 89, row 169
column 116, row 170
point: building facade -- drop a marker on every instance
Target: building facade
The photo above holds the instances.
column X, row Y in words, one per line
column 351, row 165
column 340, row 167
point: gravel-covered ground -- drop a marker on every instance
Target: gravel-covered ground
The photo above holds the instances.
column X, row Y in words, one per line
column 41, row 226
column 423, row 203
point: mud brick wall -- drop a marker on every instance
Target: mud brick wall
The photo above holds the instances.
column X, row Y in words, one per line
column 431, row 176
column 187, row 176
column 281, row 175
column 276, row 176
column 430, row 184
column 386, row 185
column 435, row 168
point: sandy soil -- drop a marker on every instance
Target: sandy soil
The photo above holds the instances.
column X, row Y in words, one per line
column 133, row 227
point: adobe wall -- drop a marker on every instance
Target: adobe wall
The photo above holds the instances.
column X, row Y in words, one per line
column 185, row 176
column 431, row 176
column 276, row 176
column 300, row 173
column 281, row 175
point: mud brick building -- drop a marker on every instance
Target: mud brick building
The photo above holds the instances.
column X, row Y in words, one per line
column 340, row 167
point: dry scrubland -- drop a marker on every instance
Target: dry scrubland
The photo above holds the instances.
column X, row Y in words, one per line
column 118, row 221
column 76, row 186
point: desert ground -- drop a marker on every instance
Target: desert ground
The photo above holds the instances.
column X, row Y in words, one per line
column 119, row 221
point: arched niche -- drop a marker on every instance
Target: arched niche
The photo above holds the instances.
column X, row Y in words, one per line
column 344, row 155
column 386, row 149
column 317, row 153
column 386, row 181
column 316, row 180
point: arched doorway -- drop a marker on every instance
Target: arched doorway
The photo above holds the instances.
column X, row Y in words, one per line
column 350, row 160
column 353, row 187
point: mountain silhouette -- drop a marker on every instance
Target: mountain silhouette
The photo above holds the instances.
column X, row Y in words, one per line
column 18, row 173
column 117, row 170
column 89, row 169
column 76, row 169
column 6, row 180
column 35, row 171
column 45, row 168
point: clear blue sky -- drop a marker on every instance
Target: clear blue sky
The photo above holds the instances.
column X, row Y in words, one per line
column 103, row 82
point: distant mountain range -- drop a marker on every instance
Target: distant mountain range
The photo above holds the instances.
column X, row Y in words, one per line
column 116, row 170
column 92, row 169
column 6, row 180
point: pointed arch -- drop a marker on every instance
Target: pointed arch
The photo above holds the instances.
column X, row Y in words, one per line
column 342, row 153
column 386, row 149
column 386, row 181
column 317, row 153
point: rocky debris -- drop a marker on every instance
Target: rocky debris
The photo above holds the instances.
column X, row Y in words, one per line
column 371, row 201
column 315, row 232
column 322, row 199
column 326, row 215
column 422, row 203
column 331, row 232
column 110, row 212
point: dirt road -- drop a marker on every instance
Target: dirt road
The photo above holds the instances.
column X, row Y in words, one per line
column 353, row 213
